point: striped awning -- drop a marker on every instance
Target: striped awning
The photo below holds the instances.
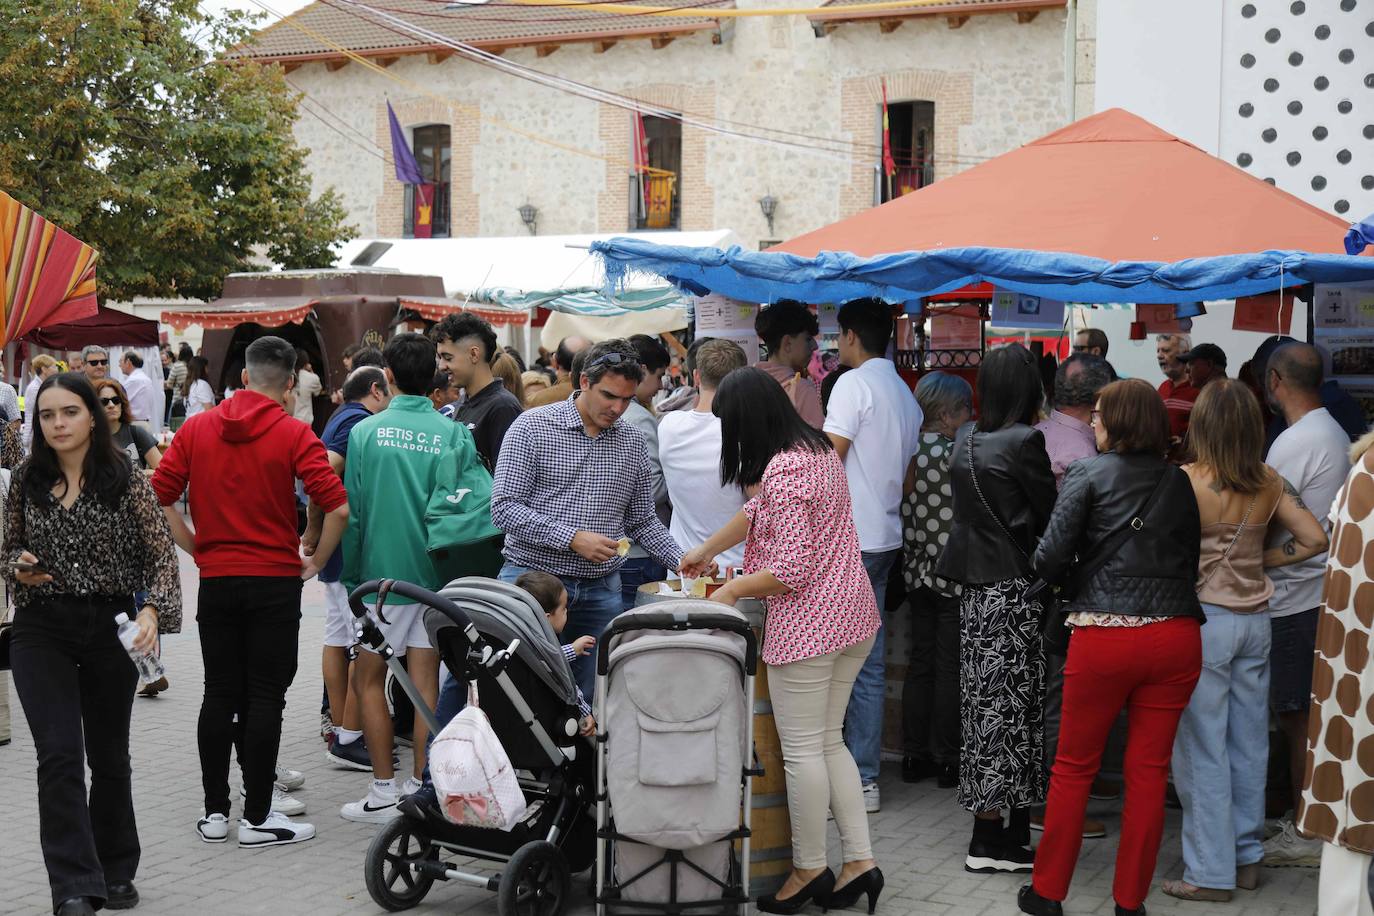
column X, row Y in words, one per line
column 434, row 309
column 248, row 313
column 47, row 275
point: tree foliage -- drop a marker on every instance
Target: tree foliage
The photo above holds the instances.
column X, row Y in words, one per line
column 121, row 121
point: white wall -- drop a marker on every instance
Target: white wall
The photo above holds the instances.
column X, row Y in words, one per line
column 1281, row 89
column 1160, row 60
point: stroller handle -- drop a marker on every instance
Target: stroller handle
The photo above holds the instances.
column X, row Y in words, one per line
column 677, row 621
column 415, row 593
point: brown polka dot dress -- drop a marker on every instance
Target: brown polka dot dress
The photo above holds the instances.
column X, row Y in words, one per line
column 1338, row 794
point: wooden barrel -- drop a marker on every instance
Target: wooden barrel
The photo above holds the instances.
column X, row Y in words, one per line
column 770, row 854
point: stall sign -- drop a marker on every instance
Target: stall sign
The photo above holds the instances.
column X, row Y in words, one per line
column 956, row 332
column 1022, row 310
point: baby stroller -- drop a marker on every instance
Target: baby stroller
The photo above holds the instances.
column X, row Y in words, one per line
column 674, row 701
column 494, row 634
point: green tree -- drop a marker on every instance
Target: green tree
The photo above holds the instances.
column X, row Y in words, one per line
column 121, row 122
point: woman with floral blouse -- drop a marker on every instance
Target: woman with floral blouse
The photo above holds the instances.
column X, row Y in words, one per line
column 83, row 533
column 801, row 555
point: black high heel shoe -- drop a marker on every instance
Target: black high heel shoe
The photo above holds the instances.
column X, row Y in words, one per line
column 1122, row 911
column 870, row 883
column 818, row 889
column 1031, row 902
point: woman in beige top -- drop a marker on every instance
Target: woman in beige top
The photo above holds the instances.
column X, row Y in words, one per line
column 1222, row 748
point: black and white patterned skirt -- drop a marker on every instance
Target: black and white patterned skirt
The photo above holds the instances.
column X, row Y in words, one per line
column 1002, row 685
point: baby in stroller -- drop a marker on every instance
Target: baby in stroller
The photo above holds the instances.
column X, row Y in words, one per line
column 548, row 590
column 496, row 636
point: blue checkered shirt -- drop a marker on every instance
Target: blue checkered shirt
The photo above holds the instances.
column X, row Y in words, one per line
column 552, row 480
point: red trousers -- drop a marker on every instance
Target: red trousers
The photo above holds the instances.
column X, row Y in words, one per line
column 1151, row 671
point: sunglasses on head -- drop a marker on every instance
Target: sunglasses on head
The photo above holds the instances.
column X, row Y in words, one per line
column 110, row 402
column 97, row 362
column 611, row 359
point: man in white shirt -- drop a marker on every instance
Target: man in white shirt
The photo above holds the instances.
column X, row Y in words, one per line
column 138, row 387
column 1312, row 455
column 875, row 424
column 689, row 450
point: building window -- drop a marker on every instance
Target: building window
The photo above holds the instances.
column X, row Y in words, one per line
column 912, row 131
column 434, row 154
column 656, row 199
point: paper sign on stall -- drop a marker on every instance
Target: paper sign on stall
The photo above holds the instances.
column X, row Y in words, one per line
column 1158, row 318
column 956, row 332
column 1346, row 307
column 1022, row 310
column 717, row 316
column 1266, row 313
column 828, row 316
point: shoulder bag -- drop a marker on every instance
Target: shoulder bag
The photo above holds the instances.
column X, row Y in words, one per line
column 1039, row 590
column 1056, row 635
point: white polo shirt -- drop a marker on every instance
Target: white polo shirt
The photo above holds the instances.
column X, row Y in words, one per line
column 875, row 410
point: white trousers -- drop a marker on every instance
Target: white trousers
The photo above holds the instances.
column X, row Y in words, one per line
column 809, row 701
column 1343, row 889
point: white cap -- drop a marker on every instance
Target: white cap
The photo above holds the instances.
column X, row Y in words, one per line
column 121, row 619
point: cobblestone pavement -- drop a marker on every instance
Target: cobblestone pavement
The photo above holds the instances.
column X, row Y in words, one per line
column 918, row 837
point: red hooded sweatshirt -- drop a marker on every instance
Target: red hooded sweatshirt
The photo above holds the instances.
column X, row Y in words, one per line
column 242, row 460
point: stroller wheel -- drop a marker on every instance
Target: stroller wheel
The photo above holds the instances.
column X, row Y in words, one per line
column 536, row 882
column 390, row 880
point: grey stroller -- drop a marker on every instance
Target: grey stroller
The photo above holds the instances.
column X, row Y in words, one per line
column 674, row 694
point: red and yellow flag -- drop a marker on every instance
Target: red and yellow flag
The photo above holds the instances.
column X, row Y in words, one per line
column 889, row 164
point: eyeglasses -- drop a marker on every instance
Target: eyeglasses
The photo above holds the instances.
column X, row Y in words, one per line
column 612, row 359
column 1096, row 417
column 110, row 402
column 1081, row 348
column 97, row 362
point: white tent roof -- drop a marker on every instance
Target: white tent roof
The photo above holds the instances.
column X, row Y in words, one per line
column 525, row 263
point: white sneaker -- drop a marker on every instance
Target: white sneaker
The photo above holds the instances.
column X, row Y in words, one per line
column 375, row 808
column 275, row 830
column 409, row 787
column 213, row 828
column 1286, row 849
column 872, row 800
column 289, row 780
column 281, row 802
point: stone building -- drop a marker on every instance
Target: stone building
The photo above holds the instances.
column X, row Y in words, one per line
column 781, row 107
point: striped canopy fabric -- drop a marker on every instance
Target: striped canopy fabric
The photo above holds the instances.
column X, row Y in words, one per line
column 47, row 276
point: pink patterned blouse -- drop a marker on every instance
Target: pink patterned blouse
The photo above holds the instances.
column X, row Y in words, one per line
column 802, row 529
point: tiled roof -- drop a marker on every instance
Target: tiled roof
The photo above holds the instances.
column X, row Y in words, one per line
column 486, row 25
column 845, row 10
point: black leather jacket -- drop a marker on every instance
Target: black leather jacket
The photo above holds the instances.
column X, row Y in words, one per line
column 1154, row 573
column 1015, row 476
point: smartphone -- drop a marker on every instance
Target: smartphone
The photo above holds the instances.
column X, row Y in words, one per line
column 19, row 566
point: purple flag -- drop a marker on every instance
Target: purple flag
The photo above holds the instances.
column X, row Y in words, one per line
column 407, row 169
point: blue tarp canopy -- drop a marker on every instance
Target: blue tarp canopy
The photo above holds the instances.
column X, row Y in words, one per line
column 832, row 276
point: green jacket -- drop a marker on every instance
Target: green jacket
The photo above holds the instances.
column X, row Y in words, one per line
column 417, row 489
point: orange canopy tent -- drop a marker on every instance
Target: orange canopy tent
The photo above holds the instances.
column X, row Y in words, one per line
column 1111, row 186
column 47, row 276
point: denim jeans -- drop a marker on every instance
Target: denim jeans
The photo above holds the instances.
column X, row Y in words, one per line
column 592, row 605
column 634, row 572
column 76, row 684
column 1222, row 750
column 863, row 720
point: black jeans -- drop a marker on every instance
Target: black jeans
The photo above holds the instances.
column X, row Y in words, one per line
column 930, row 695
column 249, row 632
column 76, row 683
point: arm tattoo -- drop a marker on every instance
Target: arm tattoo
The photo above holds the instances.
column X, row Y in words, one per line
column 1290, row 548
column 1292, row 491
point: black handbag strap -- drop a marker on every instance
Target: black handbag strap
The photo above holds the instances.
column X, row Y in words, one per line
column 973, row 473
column 1118, row 539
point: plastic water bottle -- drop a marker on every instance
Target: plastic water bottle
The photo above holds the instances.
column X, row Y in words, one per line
column 149, row 666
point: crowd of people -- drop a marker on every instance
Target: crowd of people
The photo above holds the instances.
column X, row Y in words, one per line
column 1112, row 588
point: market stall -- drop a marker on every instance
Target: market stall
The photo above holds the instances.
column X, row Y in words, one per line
column 321, row 312
column 1109, row 210
column 556, row 278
